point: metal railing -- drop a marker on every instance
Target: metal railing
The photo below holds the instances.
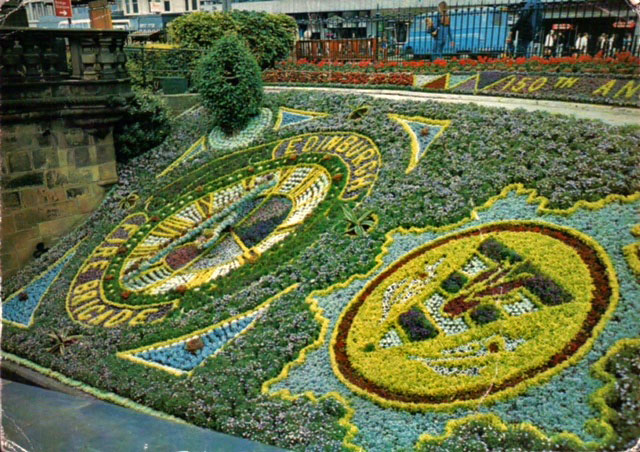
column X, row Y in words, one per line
column 477, row 28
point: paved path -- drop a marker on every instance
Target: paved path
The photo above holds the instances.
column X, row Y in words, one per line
column 606, row 113
column 40, row 420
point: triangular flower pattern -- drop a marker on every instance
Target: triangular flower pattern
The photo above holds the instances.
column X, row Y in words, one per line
column 456, row 80
column 423, row 132
column 289, row 116
column 173, row 356
column 197, row 148
column 20, row 307
column 438, row 83
column 420, row 81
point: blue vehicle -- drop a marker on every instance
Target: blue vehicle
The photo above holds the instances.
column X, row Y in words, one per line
column 480, row 31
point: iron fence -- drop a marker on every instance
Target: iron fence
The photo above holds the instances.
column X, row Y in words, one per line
column 476, row 28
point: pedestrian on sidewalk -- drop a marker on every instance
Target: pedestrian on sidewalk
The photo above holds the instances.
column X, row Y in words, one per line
column 527, row 27
column 441, row 29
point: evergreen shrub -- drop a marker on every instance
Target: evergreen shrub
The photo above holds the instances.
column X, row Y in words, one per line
column 144, row 126
column 229, row 82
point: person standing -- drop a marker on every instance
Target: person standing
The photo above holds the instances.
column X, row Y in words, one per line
column 603, row 41
column 612, row 45
column 560, row 44
column 526, row 26
column 582, row 44
column 441, row 29
column 626, row 43
column 549, row 44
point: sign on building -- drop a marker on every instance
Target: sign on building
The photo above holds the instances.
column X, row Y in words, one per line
column 63, row 8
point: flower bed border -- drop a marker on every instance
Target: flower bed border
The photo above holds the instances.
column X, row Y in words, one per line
column 600, row 94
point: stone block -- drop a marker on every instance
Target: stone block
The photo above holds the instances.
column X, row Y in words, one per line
column 56, row 228
column 11, row 200
column 26, row 180
column 56, row 178
column 75, row 137
column 80, row 176
column 105, row 153
column 43, row 196
column 29, row 218
column 82, row 156
column 76, row 191
column 8, row 226
column 108, row 173
column 44, row 158
column 19, row 162
column 21, row 234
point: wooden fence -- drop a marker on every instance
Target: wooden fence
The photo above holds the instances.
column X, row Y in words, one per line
column 337, row 49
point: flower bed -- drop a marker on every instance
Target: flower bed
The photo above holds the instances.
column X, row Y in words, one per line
column 590, row 88
column 623, row 63
column 494, row 297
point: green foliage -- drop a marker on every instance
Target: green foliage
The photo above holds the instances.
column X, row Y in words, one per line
column 358, row 224
column 270, row 37
column 230, row 84
column 61, row 339
column 145, row 64
column 144, row 126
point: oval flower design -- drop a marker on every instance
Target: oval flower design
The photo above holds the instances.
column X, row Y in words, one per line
column 473, row 314
column 225, row 229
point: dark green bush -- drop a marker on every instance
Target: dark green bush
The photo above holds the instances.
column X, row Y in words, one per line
column 229, row 82
column 144, row 126
column 270, row 37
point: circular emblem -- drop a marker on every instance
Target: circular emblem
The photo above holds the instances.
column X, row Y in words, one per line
column 214, row 222
column 473, row 314
column 220, row 231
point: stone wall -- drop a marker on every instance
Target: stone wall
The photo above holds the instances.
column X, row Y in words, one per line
column 53, row 175
column 61, row 93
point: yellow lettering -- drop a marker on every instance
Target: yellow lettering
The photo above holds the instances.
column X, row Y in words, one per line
column 332, row 143
column 100, row 265
column 82, row 288
column 141, row 317
column 346, row 144
column 311, row 142
column 366, row 155
column 356, row 149
column 522, row 84
column 628, row 90
column 566, row 82
column 119, row 318
column 78, row 299
column 361, row 182
column 291, row 146
column 604, row 89
column 85, row 306
column 367, row 168
column 86, row 314
column 537, row 84
column 510, row 79
column 108, row 251
column 97, row 320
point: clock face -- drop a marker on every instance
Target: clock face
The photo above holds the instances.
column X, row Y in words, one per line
column 472, row 314
column 222, row 230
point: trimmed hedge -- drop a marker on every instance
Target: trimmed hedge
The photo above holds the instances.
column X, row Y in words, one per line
column 270, row 37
